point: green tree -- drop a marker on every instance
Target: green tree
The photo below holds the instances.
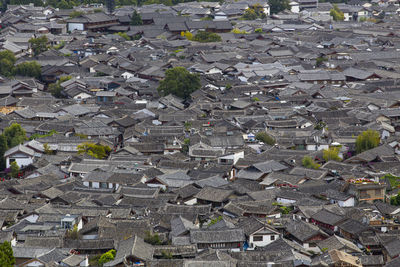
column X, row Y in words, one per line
column 367, row 140
column 123, row 35
column 215, row 220
column 6, row 255
column 265, row 138
column 136, row 19
column 30, row 69
column 3, row 149
column 166, row 255
column 309, row 163
column 7, row 61
column 249, row 14
column 14, row 169
column 47, row 149
column 180, row 82
column 56, row 90
column 331, row 153
column 277, row 6
column 76, row 13
column 187, row 34
column 238, row 31
column 73, row 233
column 106, row 257
column 185, row 145
column 14, row 135
column 95, row 150
column 64, row 5
column 395, row 200
column 206, row 37
column 39, row 44
column 336, row 13
column 254, row 12
column 152, row 239
column 319, row 61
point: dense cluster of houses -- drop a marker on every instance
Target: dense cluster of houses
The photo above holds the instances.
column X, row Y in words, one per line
column 187, row 183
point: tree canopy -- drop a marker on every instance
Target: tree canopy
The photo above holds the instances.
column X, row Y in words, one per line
column 136, row 19
column 56, row 89
column 6, row 255
column 7, row 68
column 336, row 13
column 12, row 136
column 7, row 61
column 38, row 45
column 254, row 12
column 106, row 257
column 14, row 169
column 265, row 138
column 367, row 140
column 180, row 82
column 309, row 163
column 30, row 69
column 206, row 37
column 95, row 150
column 332, row 153
column 277, row 6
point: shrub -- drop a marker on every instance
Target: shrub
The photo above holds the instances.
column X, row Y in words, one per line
column 206, row 37
column 332, row 153
column 152, row 239
column 124, row 35
column 95, row 150
column 320, row 60
column 336, row 13
column 238, row 31
column 265, row 138
column 367, row 140
column 180, row 82
column 309, row 163
column 6, row 255
column 106, row 257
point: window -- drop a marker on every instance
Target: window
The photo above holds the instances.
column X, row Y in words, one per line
column 257, row 238
column 12, row 160
column 272, row 237
column 312, row 245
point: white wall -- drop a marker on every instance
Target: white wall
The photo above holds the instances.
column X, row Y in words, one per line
column 285, row 201
column 75, row 26
column 80, row 224
column 314, row 249
column 32, row 218
column 34, row 263
column 347, row 203
column 266, row 240
column 21, row 159
column 90, row 237
column 295, row 8
column 315, row 147
column 82, row 96
column 85, row 262
column 191, row 201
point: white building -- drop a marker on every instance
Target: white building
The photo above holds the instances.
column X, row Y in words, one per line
column 20, row 154
column 294, row 7
column 262, row 237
